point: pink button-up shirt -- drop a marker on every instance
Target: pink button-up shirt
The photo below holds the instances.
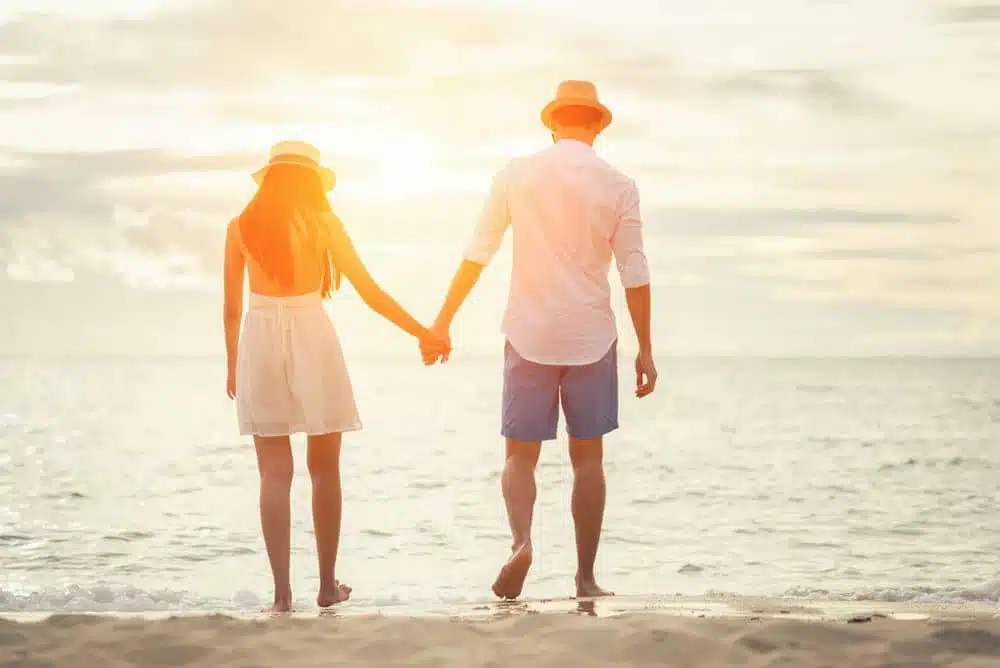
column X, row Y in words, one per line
column 570, row 211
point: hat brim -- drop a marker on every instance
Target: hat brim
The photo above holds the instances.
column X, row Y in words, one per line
column 561, row 103
column 326, row 175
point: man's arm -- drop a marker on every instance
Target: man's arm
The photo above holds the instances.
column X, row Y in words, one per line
column 638, row 300
column 461, row 285
column 486, row 240
column 633, row 269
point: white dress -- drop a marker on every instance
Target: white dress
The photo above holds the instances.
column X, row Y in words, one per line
column 291, row 376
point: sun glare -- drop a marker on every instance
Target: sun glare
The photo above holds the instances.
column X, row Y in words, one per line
column 408, row 165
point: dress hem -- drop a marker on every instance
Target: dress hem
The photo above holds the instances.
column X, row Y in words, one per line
column 308, row 430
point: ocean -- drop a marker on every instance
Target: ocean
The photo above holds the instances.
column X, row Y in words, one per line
column 125, row 487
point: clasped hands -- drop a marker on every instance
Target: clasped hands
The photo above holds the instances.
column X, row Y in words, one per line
column 435, row 345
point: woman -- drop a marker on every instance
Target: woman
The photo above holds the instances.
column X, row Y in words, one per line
column 288, row 373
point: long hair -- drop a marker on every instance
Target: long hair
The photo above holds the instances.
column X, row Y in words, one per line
column 289, row 202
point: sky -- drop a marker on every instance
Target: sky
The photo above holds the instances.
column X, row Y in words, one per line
column 818, row 177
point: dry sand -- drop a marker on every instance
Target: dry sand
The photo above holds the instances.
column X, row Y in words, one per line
column 555, row 633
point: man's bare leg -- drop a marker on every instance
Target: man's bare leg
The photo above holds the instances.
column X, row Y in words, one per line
column 587, row 457
column 327, row 501
column 518, row 484
column 274, row 463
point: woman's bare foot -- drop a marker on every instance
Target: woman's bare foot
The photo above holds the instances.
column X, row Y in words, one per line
column 333, row 595
column 589, row 589
column 510, row 581
column 282, row 603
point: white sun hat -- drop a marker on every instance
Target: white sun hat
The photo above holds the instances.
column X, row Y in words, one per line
column 295, row 152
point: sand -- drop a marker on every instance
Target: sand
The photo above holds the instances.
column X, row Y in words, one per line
column 541, row 633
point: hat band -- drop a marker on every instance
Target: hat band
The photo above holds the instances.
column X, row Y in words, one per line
column 294, row 158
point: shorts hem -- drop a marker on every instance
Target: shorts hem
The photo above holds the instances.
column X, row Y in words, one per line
column 595, row 433
column 513, row 435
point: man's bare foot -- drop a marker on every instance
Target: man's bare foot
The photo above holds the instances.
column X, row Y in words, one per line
column 331, row 596
column 510, row 581
column 589, row 589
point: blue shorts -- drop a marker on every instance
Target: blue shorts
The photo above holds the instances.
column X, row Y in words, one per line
column 532, row 393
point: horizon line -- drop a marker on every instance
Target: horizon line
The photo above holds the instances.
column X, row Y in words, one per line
column 481, row 355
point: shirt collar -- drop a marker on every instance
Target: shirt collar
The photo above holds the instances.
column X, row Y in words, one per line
column 574, row 145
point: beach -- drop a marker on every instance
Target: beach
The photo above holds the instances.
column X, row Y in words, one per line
column 629, row 632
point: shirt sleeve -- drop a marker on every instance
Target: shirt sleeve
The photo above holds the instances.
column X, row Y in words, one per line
column 627, row 241
column 493, row 223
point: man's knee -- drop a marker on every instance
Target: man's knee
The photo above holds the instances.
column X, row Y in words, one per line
column 523, row 454
column 586, row 453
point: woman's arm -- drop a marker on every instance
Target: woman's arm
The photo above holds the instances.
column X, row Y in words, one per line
column 345, row 258
column 232, row 308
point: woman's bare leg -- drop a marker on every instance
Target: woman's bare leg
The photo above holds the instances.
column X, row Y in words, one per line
column 274, row 462
column 324, row 469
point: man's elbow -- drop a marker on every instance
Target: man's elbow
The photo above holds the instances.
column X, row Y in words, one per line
column 635, row 279
column 633, row 269
column 476, row 259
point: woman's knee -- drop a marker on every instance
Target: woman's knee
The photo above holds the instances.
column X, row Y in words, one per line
column 278, row 475
column 274, row 461
column 323, row 456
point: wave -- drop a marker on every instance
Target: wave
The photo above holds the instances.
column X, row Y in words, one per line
column 127, row 599
column 132, row 600
column 117, row 599
column 986, row 593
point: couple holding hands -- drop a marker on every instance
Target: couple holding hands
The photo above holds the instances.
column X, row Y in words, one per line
column 571, row 214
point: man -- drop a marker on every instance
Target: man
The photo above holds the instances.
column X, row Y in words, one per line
column 570, row 212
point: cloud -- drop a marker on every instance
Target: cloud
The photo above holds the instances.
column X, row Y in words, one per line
column 908, row 254
column 146, row 249
column 59, row 215
column 874, row 273
column 247, row 43
column 467, row 71
column 744, row 222
column 971, row 13
column 147, row 215
column 820, row 90
column 783, row 169
column 958, row 280
column 192, row 243
column 73, row 183
column 426, row 58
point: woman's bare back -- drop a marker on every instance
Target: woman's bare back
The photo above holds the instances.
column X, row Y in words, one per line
column 307, row 260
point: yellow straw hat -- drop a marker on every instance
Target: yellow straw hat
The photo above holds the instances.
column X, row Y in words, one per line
column 575, row 94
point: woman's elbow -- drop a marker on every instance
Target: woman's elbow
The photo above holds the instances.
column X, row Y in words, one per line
column 372, row 296
column 232, row 313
